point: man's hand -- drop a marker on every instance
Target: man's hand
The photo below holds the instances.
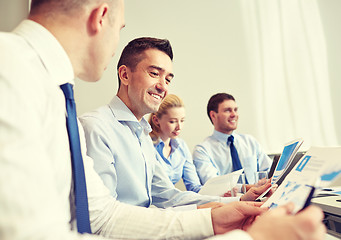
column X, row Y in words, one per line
column 235, row 215
column 254, row 192
column 261, row 182
column 231, row 193
column 280, row 224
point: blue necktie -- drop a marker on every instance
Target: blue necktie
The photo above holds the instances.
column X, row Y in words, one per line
column 81, row 198
column 236, row 165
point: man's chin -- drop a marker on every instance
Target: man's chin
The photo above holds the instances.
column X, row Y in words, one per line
column 232, row 128
column 154, row 108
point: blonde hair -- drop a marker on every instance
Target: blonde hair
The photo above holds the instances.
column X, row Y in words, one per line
column 170, row 101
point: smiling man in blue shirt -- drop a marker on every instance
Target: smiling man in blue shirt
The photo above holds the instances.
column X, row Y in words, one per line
column 213, row 156
column 117, row 134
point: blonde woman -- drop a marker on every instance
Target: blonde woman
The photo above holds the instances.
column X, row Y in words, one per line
column 167, row 124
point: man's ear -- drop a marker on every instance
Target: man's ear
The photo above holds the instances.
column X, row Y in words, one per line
column 98, row 17
column 212, row 115
column 123, row 74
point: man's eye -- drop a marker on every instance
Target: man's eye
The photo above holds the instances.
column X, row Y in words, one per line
column 154, row 74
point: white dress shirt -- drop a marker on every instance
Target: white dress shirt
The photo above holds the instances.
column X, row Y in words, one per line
column 35, row 165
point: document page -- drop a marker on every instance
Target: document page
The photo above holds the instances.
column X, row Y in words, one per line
column 288, row 154
column 317, row 168
column 217, row 186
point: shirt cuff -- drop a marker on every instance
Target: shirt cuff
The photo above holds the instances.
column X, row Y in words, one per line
column 229, row 199
column 235, row 234
column 202, row 221
column 184, row 207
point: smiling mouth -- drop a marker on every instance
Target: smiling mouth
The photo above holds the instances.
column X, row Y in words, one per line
column 156, row 96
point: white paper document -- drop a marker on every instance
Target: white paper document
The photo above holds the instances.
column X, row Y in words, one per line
column 288, row 154
column 319, row 167
column 332, row 191
column 217, row 186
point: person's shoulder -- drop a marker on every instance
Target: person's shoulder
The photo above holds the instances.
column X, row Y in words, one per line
column 207, row 143
column 11, row 43
column 9, row 39
column 181, row 141
column 20, row 65
column 245, row 136
column 209, row 140
column 97, row 117
column 14, row 50
column 247, row 139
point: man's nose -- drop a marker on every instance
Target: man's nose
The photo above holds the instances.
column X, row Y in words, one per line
column 162, row 84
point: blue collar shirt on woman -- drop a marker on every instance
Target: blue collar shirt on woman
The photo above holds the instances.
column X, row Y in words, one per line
column 213, row 158
column 179, row 164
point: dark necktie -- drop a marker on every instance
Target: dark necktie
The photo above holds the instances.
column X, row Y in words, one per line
column 236, row 165
column 81, row 198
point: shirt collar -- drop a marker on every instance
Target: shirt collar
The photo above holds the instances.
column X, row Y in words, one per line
column 221, row 136
column 123, row 114
column 174, row 143
column 51, row 53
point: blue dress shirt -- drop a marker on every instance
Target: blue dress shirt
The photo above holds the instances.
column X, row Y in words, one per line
column 124, row 157
column 179, row 164
column 213, row 158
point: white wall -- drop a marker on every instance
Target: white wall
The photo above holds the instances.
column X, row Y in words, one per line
column 330, row 13
column 11, row 13
column 209, row 57
column 209, row 53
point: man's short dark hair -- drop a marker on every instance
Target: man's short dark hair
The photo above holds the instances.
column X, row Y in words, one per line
column 215, row 100
column 57, row 5
column 133, row 53
column 64, row 6
column 37, row 3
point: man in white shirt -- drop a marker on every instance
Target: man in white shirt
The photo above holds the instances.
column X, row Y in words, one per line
column 60, row 41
